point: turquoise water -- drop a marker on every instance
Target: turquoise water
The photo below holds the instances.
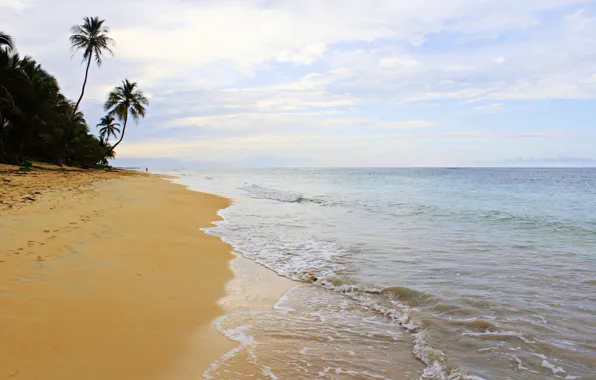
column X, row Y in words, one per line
column 480, row 273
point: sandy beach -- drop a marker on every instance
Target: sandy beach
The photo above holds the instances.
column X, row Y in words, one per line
column 106, row 275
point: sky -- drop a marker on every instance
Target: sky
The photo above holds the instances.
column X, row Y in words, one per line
column 335, row 82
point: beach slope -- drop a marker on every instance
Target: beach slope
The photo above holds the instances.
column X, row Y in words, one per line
column 107, row 276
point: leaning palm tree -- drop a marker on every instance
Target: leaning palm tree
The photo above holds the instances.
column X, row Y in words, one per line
column 124, row 100
column 92, row 38
column 6, row 40
column 109, row 128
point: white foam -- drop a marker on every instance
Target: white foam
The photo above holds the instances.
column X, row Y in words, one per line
column 499, row 334
column 279, row 305
column 276, row 195
column 552, row 367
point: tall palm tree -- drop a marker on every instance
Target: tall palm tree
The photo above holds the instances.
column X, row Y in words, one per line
column 92, row 38
column 6, row 40
column 124, row 100
column 109, row 128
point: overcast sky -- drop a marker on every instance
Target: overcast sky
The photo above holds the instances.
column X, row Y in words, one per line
column 336, row 82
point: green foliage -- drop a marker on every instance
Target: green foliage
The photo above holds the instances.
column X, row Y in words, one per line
column 38, row 121
column 26, row 166
column 92, row 38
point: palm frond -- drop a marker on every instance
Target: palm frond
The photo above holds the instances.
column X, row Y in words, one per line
column 91, row 37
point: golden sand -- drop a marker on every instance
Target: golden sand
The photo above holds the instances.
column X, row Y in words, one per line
column 107, row 276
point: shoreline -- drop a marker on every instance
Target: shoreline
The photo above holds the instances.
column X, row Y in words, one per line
column 108, row 275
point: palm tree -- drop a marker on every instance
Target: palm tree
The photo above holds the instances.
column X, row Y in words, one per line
column 38, row 103
column 92, row 38
column 6, row 104
column 6, row 61
column 9, row 79
column 110, row 128
column 6, row 40
column 108, row 152
column 124, row 100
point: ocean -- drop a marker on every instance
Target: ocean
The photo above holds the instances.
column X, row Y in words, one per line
column 476, row 273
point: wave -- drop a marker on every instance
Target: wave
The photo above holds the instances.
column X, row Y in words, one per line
column 273, row 194
column 523, row 222
column 319, row 264
column 261, row 192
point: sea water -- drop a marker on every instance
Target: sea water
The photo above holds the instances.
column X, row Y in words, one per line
column 475, row 273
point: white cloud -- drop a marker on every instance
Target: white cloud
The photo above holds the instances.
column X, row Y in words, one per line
column 17, row 5
column 399, row 61
column 490, row 107
column 409, row 124
column 306, row 56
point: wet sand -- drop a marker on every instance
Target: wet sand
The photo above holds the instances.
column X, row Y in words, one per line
column 108, row 276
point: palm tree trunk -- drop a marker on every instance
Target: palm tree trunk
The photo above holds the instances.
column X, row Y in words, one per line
column 2, row 153
column 74, row 112
column 22, row 143
column 123, row 130
column 64, row 153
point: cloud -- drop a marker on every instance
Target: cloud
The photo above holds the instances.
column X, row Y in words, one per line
column 17, row 5
column 489, row 107
column 550, row 161
column 399, row 61
column 306, row 56
column 410, row 124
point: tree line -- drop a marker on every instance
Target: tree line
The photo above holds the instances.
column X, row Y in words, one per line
column 38, row 122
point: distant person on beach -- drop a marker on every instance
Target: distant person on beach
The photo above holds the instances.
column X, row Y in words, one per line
column 146, row 169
